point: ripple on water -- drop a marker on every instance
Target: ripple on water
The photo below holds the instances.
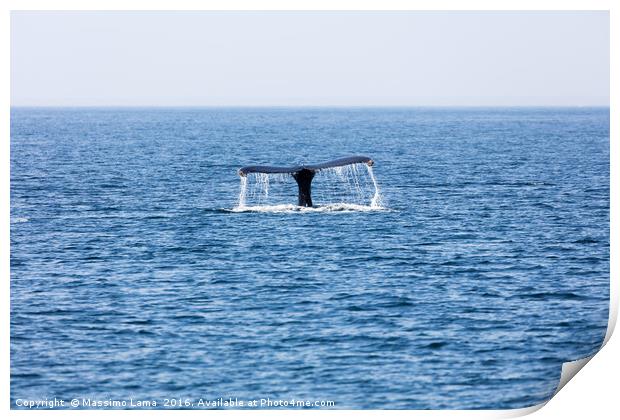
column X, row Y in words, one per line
column 133, row 273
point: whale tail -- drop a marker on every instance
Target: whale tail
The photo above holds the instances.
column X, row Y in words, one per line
column 304, row 174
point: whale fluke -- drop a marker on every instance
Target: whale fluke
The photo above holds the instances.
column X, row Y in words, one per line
column 304, row 174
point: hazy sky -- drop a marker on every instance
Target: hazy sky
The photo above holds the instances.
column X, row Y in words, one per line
column 309, row 58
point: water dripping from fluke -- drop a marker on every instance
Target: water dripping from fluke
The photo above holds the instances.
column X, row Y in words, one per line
column 346, row 185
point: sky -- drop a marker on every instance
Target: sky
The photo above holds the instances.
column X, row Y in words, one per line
column 416, row 58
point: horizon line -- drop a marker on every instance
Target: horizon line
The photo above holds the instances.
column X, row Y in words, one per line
column 320, row 106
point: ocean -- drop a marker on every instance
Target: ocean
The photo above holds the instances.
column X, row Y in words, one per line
column 134, row 274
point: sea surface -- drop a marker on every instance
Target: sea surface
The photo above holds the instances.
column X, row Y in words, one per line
column 134, row 275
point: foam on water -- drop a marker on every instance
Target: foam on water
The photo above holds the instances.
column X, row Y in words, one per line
column 291, row 208
column 19, row 219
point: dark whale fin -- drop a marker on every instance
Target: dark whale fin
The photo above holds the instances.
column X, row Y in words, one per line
column 268, row 170
column 305, row 173
column 340, row 162
column 292, row 169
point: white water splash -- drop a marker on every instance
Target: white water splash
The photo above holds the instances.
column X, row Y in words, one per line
column 263, row 187
column 377, row 199
column 243, row 191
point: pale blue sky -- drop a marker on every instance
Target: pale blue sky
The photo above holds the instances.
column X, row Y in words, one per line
column 309, row 58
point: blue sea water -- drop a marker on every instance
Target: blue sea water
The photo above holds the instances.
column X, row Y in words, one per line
column 131, row 277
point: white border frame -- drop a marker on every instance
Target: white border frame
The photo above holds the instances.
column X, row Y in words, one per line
column 599, row 380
